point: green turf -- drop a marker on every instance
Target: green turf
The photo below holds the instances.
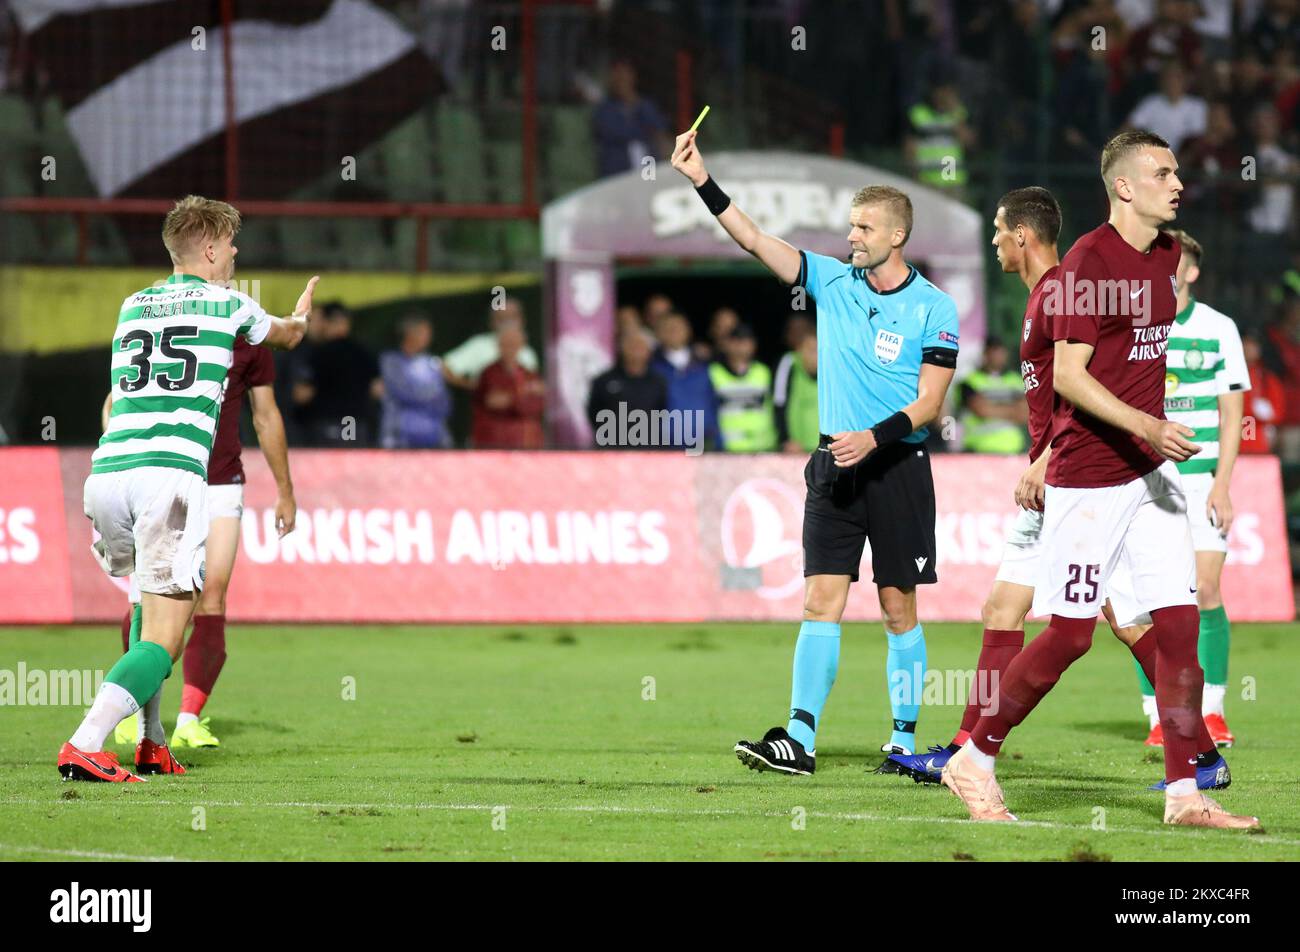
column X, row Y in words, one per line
column 454, row 730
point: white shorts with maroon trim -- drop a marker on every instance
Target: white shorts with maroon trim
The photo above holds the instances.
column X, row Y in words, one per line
column 1023, row 554
column 226, row 501
column 1093, row 537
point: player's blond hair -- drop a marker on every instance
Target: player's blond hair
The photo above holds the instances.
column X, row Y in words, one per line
column 1191, row 247
column 1121, row 147
column 892, row 199
column 195, row 219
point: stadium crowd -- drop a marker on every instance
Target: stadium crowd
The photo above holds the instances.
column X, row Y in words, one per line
column 336, row 392
column 1219, row 79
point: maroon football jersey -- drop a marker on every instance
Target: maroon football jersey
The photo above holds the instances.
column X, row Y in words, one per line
column 1121, row 301
column 1036, row 351
column 252, row 367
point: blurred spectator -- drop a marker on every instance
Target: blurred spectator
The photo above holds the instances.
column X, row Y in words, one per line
column 690, row 389
column 721, row 324
column 1082, row 104
column 744, row 387
column 1136, row 13
column 798, row 326
column 1286, row 80
column 1251, row 84
column 656, row 307
column 939, row 137
column 1171, row 113
column 1277, row 26
column 509, row 399
column 1275, row 167
column 1284, row 339
column 630, row 383
column 342, row 384
column 1289, row 285
column 1213, row 25
column 795, row 398
column 1212, row 155
column 993, row 403
column 463, row 364
column 416, row 401
column 627, row 318
column 293, row 367
column 1168, row 38
column 627, row 127
column 1265, row 401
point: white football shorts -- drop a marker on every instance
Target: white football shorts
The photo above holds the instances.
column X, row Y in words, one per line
column 153, row 522
column 226, row 501
column 1092, row 537
column 1206, row 536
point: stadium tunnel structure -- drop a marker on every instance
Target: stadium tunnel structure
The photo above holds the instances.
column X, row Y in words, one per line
column 802, row 198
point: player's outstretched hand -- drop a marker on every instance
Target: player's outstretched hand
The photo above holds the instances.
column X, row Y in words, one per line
column 687, row 159
column 1170, row 440
column 303, row 307
column 852, row 447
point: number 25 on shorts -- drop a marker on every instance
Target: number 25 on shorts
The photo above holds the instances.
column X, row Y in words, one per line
column 1086, row 575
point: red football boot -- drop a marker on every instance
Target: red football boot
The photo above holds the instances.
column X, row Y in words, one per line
column 1218, row 729
column 151, row 758
column 102, row 766
column 1157, row 736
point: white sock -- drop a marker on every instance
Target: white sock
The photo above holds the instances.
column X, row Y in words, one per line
column 1212, row 699
column 1181, row 788
column 1149, row 709
column 151, row 720
column 983, row 761
column 184, row 718
column 112, row 703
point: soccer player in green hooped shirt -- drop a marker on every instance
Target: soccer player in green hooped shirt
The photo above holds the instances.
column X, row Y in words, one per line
column 147, row 490
column 1205, row 380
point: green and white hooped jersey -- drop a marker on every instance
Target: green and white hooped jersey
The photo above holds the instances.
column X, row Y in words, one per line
column 173, row 346
column 1204, row 361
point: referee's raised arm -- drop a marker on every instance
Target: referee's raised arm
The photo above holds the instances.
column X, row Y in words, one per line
column 778, row 256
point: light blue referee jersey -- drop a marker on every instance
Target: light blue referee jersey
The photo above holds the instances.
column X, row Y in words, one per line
column 870, row 343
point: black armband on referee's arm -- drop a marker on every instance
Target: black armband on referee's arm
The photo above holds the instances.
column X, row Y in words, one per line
column 892, row 429
column 939, row 356
column 714, row 197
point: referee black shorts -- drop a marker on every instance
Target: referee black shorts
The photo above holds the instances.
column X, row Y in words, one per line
column 887, row 498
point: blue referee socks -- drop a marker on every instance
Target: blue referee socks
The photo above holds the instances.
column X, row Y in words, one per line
column 816, row 659
column 905, row 674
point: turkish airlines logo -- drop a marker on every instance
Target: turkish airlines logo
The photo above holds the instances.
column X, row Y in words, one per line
column 762, row 549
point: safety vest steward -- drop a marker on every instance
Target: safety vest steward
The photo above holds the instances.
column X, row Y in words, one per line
column 745, row 414
column 980, row 435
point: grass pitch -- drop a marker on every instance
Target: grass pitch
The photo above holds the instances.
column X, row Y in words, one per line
column 544, row 743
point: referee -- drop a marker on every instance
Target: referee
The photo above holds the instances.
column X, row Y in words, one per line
column 886, row 351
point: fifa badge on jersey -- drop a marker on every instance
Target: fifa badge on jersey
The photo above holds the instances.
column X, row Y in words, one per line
column 1193, row 358
column 1029, row 322
column 888, row 346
